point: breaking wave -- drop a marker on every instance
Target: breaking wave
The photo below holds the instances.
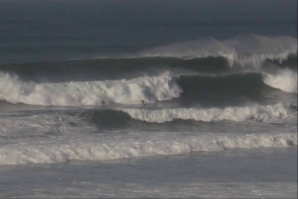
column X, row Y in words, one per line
column 245, row 51
column 91, row 93
column 237, row 114
column 166, row 86
column 98, row 149
column 285, row 80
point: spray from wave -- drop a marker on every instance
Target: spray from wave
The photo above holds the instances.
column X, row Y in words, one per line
column 283, row 79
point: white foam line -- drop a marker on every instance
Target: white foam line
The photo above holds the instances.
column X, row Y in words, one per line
column 237, row 114
column 82, row 149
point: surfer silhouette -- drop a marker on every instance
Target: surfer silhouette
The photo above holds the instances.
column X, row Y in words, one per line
column 102, row 102
column 142, row 101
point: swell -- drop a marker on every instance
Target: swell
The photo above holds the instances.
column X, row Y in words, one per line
column 205, row 55
column 111, row 68
column 117, row 68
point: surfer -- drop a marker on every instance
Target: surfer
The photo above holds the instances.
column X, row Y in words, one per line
column 102, row 102
column 142, row 101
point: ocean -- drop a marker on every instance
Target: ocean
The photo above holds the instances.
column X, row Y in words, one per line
column 148, row 98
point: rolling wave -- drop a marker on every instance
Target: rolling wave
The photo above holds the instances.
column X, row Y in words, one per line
column 237, row 114
column 106, row 149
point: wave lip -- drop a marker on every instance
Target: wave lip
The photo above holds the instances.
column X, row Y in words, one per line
column 24, row 153
column 150, row 89
column 237, row 114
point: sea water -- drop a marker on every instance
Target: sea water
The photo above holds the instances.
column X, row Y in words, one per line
column 219, row 82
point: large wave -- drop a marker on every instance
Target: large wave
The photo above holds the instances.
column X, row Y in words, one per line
column 91, row 93
column 205, row 89
column 25, row 139
column 246, row 51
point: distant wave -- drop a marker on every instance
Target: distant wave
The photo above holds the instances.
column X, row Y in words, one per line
column 250, row 52
column 245, row 51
